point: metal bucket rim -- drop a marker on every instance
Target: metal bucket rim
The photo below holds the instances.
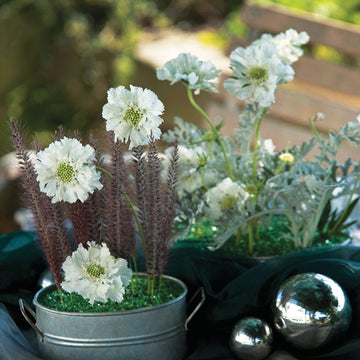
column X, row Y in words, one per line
column 112, row 313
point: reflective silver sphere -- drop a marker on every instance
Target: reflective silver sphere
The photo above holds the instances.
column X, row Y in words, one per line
column 251, row 339
column 310, row 310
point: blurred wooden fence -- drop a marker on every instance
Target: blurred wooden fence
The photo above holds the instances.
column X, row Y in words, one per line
column 319, row 85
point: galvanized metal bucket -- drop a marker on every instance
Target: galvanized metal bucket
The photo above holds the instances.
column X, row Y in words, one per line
column 154, row 333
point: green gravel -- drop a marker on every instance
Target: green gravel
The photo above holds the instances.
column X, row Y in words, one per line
column 274, row 240
column 136, row 297
column 271, row 240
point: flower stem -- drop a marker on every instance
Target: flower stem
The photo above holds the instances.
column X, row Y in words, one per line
column 61, row 296
column 150, row 285
column 238, row 236
column 256, row 143
column 251, row 238
column 280, row 168
column 98, row 168
column 198, row 228
column 141, row 233
column 213, row 128
column 313, row 128
column 202, row 181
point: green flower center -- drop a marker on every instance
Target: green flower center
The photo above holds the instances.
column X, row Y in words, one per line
column 251, row 189
column 202, row 161
column 95, row 270
column 209, row 136
column 65, row 172
column 228, row 202
column 133, row 115
column 258, row 74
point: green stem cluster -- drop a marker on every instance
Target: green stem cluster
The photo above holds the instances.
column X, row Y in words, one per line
column 150, row 277
column 254, row 176
column 251, row 237
column 256, row 144
column 227, row 163
column 214, row 130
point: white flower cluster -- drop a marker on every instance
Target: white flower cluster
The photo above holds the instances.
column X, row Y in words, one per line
column 95, row 274
column 288, row 44
column 237, row 181
column 227, row 180
column 64, row 169
column 259, row 68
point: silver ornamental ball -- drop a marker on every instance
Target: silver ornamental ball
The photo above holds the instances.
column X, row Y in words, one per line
column 310, row 310
column 251, row 339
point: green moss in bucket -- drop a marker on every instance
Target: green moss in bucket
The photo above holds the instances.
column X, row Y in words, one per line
column 136, row 297
column 269, row 240
column 274, row 240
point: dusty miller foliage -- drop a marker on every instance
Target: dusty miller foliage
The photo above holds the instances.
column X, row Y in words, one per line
column 303, row 191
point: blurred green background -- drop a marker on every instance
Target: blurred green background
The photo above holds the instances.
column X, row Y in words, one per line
column 59, row 57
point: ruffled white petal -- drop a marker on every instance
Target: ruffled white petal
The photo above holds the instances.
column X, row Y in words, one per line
column 146, row 102
column 109, row 285
column 69, row 151
column 259, row 55
column 198, row 75
column 216, row 195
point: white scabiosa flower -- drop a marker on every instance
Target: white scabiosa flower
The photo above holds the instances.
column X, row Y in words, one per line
column 268, row 146
column 64, row 171
column 258, row 70
column 95, row 274
column 189, row 162
column 288, row 44
column 188, row 69
column 133, row 115
column 226, row 196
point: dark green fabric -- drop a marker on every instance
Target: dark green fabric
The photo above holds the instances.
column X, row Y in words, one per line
column 237, row 287
column 21, row 263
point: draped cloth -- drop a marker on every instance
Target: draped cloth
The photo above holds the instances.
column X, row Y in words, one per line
column 235, row 287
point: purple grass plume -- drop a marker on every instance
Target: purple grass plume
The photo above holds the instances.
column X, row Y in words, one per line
column 48, row 217
column 119, row 226
column 156, row 205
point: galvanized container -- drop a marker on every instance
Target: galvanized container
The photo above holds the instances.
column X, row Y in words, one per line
column 154, row 333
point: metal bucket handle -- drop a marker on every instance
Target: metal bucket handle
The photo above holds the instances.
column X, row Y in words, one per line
column 197, row 307
column 25, row 306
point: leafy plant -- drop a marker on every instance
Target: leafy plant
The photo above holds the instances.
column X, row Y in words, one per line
column 240, row 182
